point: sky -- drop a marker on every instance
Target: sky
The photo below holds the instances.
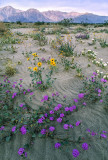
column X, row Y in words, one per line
column 99, row 7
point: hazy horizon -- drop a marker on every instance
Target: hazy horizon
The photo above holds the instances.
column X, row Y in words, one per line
column 99, row 7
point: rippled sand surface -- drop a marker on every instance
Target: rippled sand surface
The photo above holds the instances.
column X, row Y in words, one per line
column 92, row 116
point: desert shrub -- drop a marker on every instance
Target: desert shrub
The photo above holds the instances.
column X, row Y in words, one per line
column 82, row 36
column 66, row 49
column 41, row 38
column 3, row 28
column 10, row 69
column 103, row 43
column 18, row 22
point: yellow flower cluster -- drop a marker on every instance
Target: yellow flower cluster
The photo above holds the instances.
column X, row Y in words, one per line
column 52, row 62
column 39, row 64
column 35, row 54
column 28, row 59
column 35, row 68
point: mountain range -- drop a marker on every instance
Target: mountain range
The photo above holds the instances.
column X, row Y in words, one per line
column 10, row 14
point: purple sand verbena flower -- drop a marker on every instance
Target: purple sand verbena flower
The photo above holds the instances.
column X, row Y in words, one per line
column 25, row 154
column 81, row 95
column 42, row 117
column 40, row 120
column 23, row 130
column 74, row 107
column 59, row 106
column 66, row 109
column 13, row 129
column 46, row 97
column 28, row 90
column 21, row 105
column 75, row 153
column 51, row 118
column 94, row 73
column 71, row 109
column 51, row 128
column 59, row 120
column 70, row 126
column 66, row 126
column 51, row 112
column 75, row 100
column 31, row 93
column 53, row 94
column 99, row 91
column 93, row 133
column 57, row 145
column 88, row 130
column 43, row 131
column 61, row 115
column 57, row 94
column 85, row 146
column 84, row 104
column 56, row 108
column 46, row 115
column 2, row 128
column 99, row 95
column 104, row 131
column 103, row 136
column 13, row 86
column 78, row 123
column 20, row 152
column 101, row 100
column 7, row 91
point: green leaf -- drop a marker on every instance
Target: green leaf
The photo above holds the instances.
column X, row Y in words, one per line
column 34, row 135
column 8, row 138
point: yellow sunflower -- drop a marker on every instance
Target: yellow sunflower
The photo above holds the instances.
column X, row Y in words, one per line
column 35, row 54
column 28, row 59
column 53, row 63
column 35, row 68
column 52, row 60
column 39, row 64
column 29, row 67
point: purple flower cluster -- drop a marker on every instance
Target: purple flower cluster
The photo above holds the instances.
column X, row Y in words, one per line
column 75, row 153
column 43, row 131
column 78, row 123
column 81, row 95
column 41, row 119
column 13, row 129
column 85, row 146
column 103, row 80
column 103, row 136
column 59, row 120
column 2, row 128
column 14, row 94
column 51, row 118
column 21, row 105
column 57, row 145
column 67, row 126
column 45, row 98
column 51, row 128
column 39, row 82
column 23, row 130
column 75, row 100
column 21, row 151
column 51, row 112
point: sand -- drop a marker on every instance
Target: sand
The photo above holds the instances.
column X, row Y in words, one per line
column 92, row 116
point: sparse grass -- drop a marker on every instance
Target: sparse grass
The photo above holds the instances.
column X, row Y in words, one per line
column 41, row 38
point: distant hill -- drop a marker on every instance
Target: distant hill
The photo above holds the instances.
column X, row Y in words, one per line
column 10, row 14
